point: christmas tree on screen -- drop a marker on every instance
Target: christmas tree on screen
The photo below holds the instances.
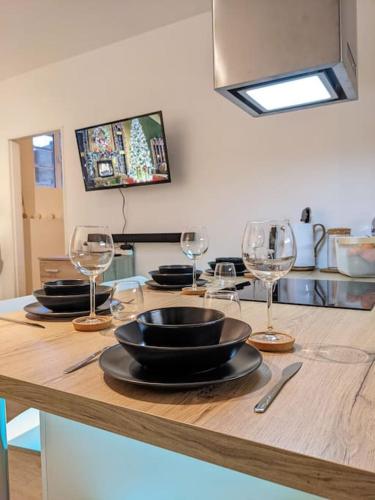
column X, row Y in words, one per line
column 141, row 166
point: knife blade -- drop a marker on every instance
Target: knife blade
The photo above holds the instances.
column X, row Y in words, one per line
column 286, row 375
column 19, row 322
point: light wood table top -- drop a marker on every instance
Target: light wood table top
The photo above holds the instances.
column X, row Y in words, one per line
column 318, row 435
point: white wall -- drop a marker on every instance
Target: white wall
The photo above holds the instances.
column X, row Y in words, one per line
column 226, row 166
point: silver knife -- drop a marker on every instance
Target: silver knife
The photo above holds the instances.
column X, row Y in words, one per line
column 286, row 375
column 18, row 322
column 85, row 361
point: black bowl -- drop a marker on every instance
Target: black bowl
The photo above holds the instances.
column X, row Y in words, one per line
column 66, row 287
column 184, row 359
column 181, row 326
column 176, row 269
column 71, row 303
column 174, row 279
column 239, row 266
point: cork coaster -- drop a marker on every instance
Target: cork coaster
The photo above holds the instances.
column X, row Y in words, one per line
column 329, row 270
column 250, row 275
column 200, row 291
column 285, row 344
column 303, row 268
column 101, row 323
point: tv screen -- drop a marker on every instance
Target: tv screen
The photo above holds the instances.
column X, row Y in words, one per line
column 124, row 153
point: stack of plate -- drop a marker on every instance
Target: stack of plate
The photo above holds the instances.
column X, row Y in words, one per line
column 181, row 347
column 237, row 261
column 68, row 299
column 174, row 277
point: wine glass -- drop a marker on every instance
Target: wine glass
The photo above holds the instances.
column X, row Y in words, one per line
column 194, row 243
column 269, row 251
column 127, row 300
column 226, row 301
column 225, row 275
column 91, row 251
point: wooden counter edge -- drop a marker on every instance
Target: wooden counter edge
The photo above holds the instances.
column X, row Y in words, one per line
column 313, row 475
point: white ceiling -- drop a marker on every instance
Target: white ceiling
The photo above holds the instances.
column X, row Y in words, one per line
column 34, row 33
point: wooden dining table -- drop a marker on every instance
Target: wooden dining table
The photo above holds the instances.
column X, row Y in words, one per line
column 318, row 436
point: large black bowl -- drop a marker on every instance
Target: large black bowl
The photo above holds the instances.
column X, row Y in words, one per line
column 66, row 287
column 176, row 269
column 70, row 303
column 174, row 279
column 184, row 359
column 181, row 326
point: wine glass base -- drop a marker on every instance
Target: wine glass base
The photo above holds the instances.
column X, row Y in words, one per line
column 272, row 342
column 92, row 324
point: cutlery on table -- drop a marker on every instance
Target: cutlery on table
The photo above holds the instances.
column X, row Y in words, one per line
column 286, row 375
column 28, row 323
column 85, row 361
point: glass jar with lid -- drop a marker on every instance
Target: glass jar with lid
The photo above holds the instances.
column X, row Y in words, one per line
column 331, row 235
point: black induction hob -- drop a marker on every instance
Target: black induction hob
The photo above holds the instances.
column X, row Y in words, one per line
column 320, row 293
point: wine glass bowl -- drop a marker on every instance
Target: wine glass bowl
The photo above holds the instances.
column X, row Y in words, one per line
column 91, row 251
column 269, row 252
column 225, row 275
column 194, row 243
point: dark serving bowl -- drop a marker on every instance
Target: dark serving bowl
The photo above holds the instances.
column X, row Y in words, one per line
column 66, row 287
column 239, row 266
column 184, row 359
column 71, row 303
column 176, row 269
column 181, row 326
column 174, row 279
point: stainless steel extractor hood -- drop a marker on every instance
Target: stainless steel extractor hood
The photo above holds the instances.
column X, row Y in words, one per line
column 272, row 56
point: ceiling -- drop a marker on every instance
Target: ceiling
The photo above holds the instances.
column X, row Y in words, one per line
column 34, row 33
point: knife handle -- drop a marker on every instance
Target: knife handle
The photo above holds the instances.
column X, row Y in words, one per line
column 265, row 402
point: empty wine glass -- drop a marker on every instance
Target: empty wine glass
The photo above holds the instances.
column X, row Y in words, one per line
column 194, row 243
column 269, row 251
column 91, row 251
column 225, row 275
column 127, row 300
column 226, row 301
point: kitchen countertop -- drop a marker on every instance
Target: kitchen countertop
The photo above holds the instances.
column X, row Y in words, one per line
column 318, row 435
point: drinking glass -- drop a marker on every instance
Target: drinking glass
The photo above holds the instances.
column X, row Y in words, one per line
column 127, row 300
column 194, row 243
column 226, row 301
column 91, row 251
column 225, row 275
column 269, row 251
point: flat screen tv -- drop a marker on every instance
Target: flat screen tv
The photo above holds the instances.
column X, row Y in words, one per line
column 124, row 153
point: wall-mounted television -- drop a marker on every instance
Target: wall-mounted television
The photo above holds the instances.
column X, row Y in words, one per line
column 124, row 153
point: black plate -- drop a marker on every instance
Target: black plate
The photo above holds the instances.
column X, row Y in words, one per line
column 36, row 309
column 239, row 266
column 72, row 303
column 153, row 284
column 187, row 359
column 174, row 279
column 117, row 363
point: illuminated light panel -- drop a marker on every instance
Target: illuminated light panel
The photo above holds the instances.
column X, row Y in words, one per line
column 291, row 93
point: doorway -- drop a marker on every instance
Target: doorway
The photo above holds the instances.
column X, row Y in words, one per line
column 38, row 201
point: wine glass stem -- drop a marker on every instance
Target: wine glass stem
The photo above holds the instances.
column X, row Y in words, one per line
column 92, row 296
column 194, row 274
column 269, row 286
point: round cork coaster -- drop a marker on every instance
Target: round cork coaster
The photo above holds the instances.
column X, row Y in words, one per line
column 100, row 323
column 303, row 268
column 250, row 275
column 329, row 270
column 285, row 342
column 200, row 291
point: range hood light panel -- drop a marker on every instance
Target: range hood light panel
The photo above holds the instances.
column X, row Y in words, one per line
column 291, row 93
